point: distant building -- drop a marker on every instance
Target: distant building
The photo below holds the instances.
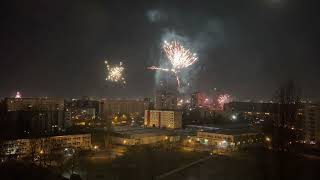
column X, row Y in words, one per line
column 85, row 105
column 165, row 100
column 83, row 116
column 163, row 119
column 307, row 117
column 251, row 107
column 34, row 104
column 134, row 136
column 311, row 123
column 121, row 111
column 113, row 106
column 197, row 100
column 85, row 111
column 206, row 113
column 253, row 111
column 81, row 112
column 24, row 147
column 32, row 116
column 229, row 138
column 148, row 104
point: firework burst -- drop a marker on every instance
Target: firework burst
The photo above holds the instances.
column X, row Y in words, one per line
column 223, row 99
column 115, row 73
column 178, row 56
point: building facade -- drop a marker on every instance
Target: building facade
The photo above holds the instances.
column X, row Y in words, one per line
column 23, row 147
column 82, row 111
column 165, row 100
column 112, row 106
column 197, row 99
column 311, row 123
column 229, row 139
column 144, row 136
column 252, row 112
column 32, row 116
column 163, row 119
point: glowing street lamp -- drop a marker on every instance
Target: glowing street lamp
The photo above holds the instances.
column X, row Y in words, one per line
column 268, row 139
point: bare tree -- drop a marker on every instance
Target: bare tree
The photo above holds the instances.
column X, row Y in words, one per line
column 75, row 160
column 50, row 147
column 285, row 123
column 3, row 150
column 34, row 150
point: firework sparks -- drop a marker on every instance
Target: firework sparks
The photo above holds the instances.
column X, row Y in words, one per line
column 223, row 99
column 18, row 95
column 179, row 57
column 115, row 73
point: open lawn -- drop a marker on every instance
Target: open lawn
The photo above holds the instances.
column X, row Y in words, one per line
column 139, row 162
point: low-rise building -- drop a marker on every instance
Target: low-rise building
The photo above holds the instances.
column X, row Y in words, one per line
column 229, row 139
column 163, row 119
column 24, row 147
column 134, row 136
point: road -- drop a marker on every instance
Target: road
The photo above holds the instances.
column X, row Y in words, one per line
column 177, row 170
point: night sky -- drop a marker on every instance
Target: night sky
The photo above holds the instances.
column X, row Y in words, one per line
column 245, row 47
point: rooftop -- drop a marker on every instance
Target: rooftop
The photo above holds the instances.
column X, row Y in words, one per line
column 230, row 129
column 142, row 132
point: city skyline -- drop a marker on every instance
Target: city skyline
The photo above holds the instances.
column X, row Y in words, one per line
column 162, row 89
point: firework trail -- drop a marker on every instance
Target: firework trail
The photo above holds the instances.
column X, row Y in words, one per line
column 179, row 58
column 158, row 68
column 115, row 73
column 223, row 99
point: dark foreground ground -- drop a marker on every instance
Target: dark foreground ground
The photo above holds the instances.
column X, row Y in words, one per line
column 148, row 163
column 138, row 163
column 26, row 171
column 254, row 165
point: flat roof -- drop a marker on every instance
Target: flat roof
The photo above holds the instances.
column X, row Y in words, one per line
column 232, row 131
column 142, row 132
column 47, row 136
column 228, row 129
column 217, row 127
